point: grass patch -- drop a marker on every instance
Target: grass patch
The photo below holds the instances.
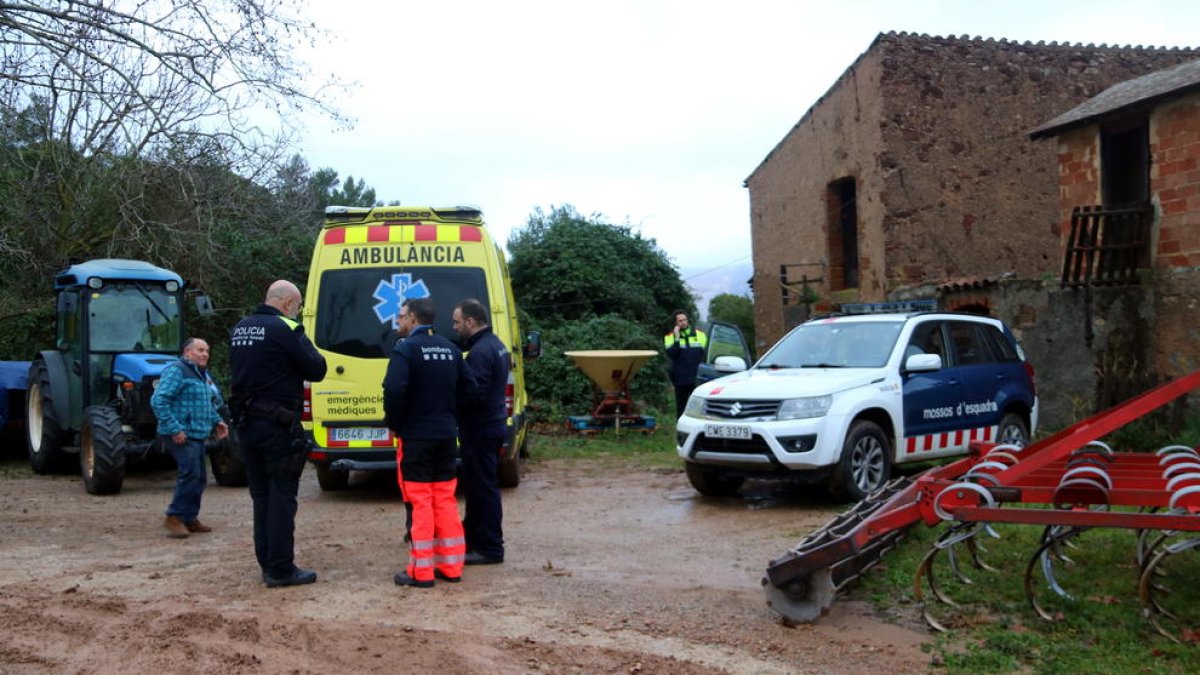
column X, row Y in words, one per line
column 652, row 451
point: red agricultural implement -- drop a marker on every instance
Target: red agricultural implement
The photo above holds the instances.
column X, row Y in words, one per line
column 1067, row 483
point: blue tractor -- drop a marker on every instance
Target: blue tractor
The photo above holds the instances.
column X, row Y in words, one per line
column 119, row 324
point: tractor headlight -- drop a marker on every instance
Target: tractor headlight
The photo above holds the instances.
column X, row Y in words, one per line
column 804, row 408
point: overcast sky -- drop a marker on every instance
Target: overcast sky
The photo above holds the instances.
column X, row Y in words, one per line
column 648, row 112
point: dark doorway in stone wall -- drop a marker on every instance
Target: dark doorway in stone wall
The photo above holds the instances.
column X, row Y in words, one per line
column 843, row 234
column 1125, row 162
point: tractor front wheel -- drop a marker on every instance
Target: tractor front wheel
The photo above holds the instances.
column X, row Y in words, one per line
column 102, row 451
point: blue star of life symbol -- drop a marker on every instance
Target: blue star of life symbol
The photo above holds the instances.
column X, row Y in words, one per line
column 391, row 294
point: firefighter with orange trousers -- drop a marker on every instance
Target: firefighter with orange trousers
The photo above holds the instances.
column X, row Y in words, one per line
column 420, row 391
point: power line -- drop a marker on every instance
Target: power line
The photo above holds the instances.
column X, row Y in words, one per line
column 718, row 267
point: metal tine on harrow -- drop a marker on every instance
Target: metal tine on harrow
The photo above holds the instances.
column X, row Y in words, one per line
column 958, row 532
column 1180, row 463
column 1051, row 537
column 980, row 472
column 1152, row 609
column 1085, row 478
column 1145, row 551
column 973, row 548
column 1147, row 575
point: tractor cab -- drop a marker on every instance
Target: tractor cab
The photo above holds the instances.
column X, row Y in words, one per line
column 119, row 324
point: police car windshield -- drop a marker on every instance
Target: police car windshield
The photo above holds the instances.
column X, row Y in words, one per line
column 835, row 344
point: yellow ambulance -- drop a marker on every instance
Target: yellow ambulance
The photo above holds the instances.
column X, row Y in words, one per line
column 366, row 262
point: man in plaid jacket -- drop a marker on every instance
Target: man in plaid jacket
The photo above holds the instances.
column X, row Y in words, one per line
column 187, row 403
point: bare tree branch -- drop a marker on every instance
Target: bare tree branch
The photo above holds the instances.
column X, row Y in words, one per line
column 121, row 76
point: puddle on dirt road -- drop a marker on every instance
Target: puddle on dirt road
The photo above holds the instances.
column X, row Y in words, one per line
column 757, row 495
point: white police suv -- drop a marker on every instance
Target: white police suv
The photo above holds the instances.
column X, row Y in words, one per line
column 844, row 398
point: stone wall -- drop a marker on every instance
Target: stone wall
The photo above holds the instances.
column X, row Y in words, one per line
column 1175, row 336
column 1076, row 380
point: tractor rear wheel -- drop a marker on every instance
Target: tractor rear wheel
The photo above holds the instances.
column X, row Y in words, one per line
column 44, row 430
column 102, row 451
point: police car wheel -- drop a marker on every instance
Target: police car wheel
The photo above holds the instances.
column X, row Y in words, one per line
column 711, row 483
column 1012, row 431
column 866, row 463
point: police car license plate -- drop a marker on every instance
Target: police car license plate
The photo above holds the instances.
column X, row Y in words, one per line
column 359, row 434
column 727, row 431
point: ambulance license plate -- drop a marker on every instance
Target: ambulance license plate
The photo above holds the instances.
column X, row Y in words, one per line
column 741, row 433
column 359, row 434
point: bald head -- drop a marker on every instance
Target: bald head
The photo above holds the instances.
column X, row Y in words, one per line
column 284, row 296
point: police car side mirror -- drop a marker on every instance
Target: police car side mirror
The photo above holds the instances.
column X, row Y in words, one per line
column 729, row 364
column 533, row 345
column 918, row 363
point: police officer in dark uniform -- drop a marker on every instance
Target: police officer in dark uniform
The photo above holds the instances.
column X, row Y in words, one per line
column 482, row 428
column 271, row 358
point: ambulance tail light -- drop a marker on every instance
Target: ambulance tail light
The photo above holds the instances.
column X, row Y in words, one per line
column 510, row 391
column 1032, row 377
column 306, row 411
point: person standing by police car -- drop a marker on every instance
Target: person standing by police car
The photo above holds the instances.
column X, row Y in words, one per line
column 482, row 427
column 420, row 401
column 685, row 347
column 271, row 358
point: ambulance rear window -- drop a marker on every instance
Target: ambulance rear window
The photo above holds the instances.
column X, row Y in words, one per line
column 357, row 308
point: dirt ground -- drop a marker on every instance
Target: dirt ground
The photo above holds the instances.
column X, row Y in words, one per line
column 610, row 568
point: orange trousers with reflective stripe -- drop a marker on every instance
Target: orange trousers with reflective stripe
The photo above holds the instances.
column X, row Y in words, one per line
column 400, row 482
column 437, row 533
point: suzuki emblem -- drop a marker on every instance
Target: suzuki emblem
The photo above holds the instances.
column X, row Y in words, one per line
column 735, row 409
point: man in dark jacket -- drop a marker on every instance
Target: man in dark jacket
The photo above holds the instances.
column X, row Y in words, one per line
column 685, row 348
column 482, row 428
column 271, row 359
column 420, row 401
